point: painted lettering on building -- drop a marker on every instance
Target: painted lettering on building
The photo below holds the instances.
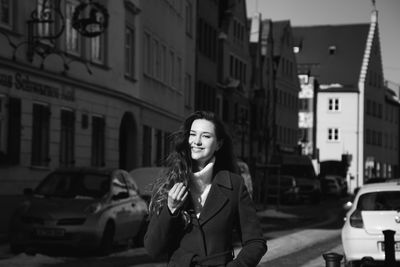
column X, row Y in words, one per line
column 23, row 82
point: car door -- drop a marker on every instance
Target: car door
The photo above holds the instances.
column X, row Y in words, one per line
column 121, row 204
column 137, row 207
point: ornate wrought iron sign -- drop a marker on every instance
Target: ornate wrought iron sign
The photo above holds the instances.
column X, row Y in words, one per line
column 90, row 19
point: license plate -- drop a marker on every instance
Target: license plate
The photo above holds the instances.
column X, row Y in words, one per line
column 50, row 232
column 396, row 246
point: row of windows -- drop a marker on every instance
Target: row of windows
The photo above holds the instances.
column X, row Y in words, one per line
column 287, row 135
column 238, row 31
column 91, row 49
column 379, row 169
column 377, row 138
column 391, row 114
column 374, row 109
column 287, row 68
column 162, row 63
column 162, row 146
column 374, row 79
column 40, row 139
column 288, row 99
column 207, row 39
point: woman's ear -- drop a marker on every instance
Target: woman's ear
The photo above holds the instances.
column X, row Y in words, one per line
column 219, row 144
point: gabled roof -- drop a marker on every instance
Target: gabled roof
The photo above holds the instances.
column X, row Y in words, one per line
column 278, row 30
column 347, row 43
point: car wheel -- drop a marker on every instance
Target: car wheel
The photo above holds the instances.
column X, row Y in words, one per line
column 107, row 239
column 138, row 240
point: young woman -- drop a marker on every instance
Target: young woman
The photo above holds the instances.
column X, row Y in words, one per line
column 200, row 201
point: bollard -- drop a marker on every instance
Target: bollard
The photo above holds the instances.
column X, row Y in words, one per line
column 332, row 259
column 390, row 260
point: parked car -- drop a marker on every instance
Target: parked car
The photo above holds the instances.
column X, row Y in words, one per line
column 83, row 208
column 245, row 173
column 333, row 185
column 302, row 169
column 282, row 188
column 375, row 208
column 145, row 178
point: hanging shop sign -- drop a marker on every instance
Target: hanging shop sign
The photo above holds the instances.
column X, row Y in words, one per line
column 90, row 19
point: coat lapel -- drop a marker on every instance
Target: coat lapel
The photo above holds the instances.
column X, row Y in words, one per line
column 216, row 198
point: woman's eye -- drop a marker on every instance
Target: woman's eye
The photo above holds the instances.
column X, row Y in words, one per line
column 207, row 136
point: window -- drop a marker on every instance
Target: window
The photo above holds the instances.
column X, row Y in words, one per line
column 43, row 7
column 97, row 51
column 156, row 59
column 97, row 44
column 67, row 138
column 147, row 54
column 168, row 146
column 159, row 147
column 172, row 81
column 188, row 90
column 146, row 146
column 333, row 104
column 40, row 135
column 98, row 141
column 72, row 38
column 6, row 13
column 163, row 63
column 189, row 18
column 129, row 52
column 179, row 74
column 333, row 134
column 10, row 140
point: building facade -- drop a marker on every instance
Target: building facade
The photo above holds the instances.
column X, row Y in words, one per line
column 356, row 118
column 105, row 96
column 286, row 90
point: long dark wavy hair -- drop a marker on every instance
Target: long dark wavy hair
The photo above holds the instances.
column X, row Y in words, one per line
column 179, row 162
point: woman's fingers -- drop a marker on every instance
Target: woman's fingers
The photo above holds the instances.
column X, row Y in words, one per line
column 176, row 196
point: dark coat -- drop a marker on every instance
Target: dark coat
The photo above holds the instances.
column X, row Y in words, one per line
column 227, row 207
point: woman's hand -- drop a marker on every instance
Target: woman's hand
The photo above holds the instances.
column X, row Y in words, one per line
column 176, row 197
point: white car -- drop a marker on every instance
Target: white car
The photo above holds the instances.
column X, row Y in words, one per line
column 376, row 208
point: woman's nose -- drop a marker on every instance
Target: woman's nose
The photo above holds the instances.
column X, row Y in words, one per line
column 197, row 140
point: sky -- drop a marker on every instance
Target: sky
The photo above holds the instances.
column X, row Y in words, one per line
column 332, row 12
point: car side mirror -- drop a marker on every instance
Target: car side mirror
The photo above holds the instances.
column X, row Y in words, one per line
column 120, row 195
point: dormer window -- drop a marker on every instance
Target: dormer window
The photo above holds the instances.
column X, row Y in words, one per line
column 332, row 50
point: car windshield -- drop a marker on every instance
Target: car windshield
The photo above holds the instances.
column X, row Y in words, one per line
column 383, row 200
column 71, row 185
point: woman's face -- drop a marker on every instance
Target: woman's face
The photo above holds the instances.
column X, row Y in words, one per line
column 202, row 141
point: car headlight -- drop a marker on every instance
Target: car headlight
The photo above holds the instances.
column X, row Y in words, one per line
column 93, row 208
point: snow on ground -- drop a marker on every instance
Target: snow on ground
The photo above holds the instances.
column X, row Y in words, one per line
column 273, row 213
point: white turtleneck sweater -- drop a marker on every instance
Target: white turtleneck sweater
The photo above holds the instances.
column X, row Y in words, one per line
column 200, row 186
